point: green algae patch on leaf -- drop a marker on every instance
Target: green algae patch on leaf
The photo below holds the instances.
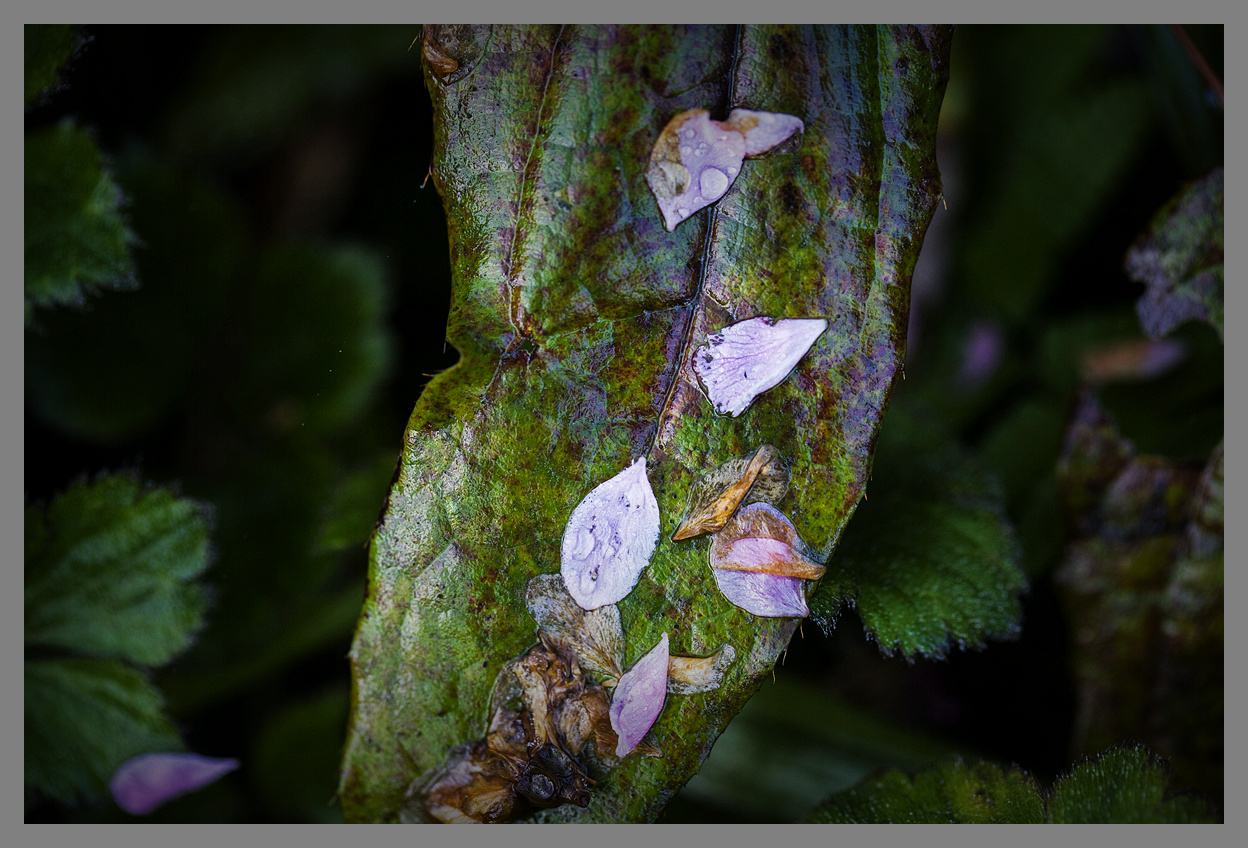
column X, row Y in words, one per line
column 930, row 561
column 578, row 314
column 1179, row 260
column 77, row 238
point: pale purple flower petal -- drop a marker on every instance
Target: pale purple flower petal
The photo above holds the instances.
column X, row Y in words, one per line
column 763, row 130
column 639, row 697
column 147, row 781
column 764, row 595
column 692, row 165
column 610, row 538
column 743, row 360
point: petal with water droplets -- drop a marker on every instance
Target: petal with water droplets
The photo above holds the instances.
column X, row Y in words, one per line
column 610, row 538
column 692, row 164
column 147, row 781
column 763, row 130
column 745, row 359
column 638, row 699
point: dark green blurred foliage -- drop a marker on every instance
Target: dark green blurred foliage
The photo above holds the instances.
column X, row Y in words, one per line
column 931, row 562
column 47, row 49
column 261, row 188
column 1143, row 585
column 1124, row 785
column 254, row 365
column 111, row 591
column 77, row 238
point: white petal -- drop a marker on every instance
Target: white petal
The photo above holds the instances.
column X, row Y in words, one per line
column 763, row 130
column 742, row 361
column 610, row 538
column 638, row 699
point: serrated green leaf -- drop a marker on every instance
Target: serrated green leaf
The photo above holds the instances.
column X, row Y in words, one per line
column 111, row 568
column 957, row 792
column 577, row 315
column 84, row 718
column 351, row 514
column 77, row 241
column 80, row 380
column 1179, row 260
column 1122, row 785
column 930, row 560
column 48, row 48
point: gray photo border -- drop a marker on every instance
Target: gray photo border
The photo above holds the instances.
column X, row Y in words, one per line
column 1231, row 13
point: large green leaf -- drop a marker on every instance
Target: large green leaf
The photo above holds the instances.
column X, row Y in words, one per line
column 110, row 571
column 577, row 314
column 1123, row 785
column 76, row 238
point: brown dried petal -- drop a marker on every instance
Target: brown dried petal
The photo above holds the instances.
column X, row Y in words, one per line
column 761, row 539
column 595, row 637
column 690, row 675
column 476, row 785
column 713, row 499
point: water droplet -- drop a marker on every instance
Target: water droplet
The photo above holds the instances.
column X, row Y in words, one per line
column 713, row 182
column 685, row 150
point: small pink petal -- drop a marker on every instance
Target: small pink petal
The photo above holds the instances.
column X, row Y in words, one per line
column 763, row 130
column 610, row 538
column 638, row 698
column 764, row 595
column 147, row 781
column 745, row 359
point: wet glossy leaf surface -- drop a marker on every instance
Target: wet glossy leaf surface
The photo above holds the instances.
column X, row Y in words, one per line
column 577, row 314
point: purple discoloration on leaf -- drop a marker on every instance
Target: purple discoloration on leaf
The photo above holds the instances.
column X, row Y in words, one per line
column 639, row 698
column 146, row 782
column 696, row 159
column 610, row 538
column 743, row 360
